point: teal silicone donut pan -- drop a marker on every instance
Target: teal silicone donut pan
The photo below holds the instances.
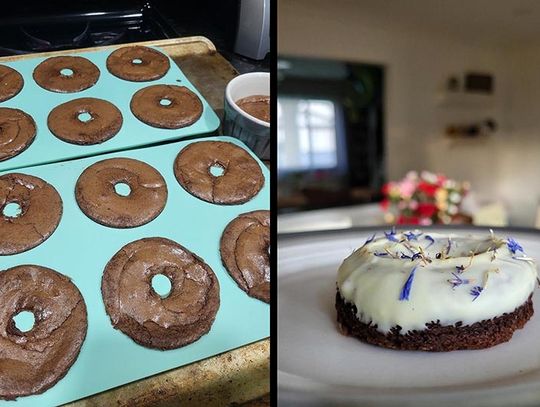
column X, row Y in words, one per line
column 38, row 103
column 80, row 248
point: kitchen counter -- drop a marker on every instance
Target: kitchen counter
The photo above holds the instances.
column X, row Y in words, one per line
column 216, row 31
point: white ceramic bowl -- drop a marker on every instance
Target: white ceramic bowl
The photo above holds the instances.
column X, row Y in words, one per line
column 255, row 133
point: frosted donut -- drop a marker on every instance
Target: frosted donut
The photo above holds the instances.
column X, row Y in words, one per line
column 434, row 292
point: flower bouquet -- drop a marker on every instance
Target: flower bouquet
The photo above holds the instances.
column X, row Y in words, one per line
column 423, row 199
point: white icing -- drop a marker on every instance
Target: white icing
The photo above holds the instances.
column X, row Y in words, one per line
column 374, row 284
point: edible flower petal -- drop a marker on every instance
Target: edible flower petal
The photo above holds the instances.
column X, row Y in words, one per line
column 406, row 290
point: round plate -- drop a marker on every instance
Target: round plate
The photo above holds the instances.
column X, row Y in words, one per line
column 319, row 366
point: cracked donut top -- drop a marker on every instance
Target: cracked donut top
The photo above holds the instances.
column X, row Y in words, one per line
column 411, row 278
column 66, row 74
column 40, row 212
column 11, row 82
column 245, row 252
column 66, row 122
column 138, row 63
column 181, row 317
column 166, row 106
column 33, row 361
column 17, row 132
column 97, row 197
column 241, row 178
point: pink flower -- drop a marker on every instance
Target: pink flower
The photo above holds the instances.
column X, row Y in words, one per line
column 441, row 179
column 425, row 221
column 413, row 205
column 407, row 188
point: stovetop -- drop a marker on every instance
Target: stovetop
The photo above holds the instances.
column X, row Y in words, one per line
column 37, row 26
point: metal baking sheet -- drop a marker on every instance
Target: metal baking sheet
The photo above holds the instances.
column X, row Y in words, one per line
column 38, row 102
column 80, row 249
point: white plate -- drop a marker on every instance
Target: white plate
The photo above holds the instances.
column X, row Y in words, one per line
column 319, row 366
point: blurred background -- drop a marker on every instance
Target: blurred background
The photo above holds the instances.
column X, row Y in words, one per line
column 414, row 112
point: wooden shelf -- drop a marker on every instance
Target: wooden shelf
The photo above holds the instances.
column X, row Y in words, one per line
column 465, row 100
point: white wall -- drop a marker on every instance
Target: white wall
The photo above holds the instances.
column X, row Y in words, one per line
column 417, row 63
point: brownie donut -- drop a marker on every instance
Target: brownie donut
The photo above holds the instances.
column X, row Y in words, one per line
column 48, row 74
column 241, row 180
column 17, row 132
column 184, row 109
column 244, row 249
column 137, row 63
column 133, row 306
column 11, row 82
column 40, row 212
column 104, row 123
column 34, row 361
column 96, row 195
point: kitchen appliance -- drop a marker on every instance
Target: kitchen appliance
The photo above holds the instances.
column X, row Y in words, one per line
column 237, row 27
column 57, row 25
column 253, row 35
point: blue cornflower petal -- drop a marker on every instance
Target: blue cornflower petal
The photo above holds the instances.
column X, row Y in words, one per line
column 369, row 240
column 391, row 235
column 411, row 236
column 476, row 291
column 457, row 280
column 448, row 247
column 406, row 290
column 514, row 246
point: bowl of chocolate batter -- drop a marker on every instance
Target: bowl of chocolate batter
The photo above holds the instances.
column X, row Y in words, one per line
column 247, row 111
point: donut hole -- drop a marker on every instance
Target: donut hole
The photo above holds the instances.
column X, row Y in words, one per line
column 165, row 102
column 217, row 170
column 136, row 61
column 66, row 72
column 24, row 321
column 161, row 284
column 84, row 117
column 12, row 210
column 122, row 189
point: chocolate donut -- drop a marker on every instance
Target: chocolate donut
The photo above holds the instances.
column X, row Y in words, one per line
column 169, row 322
column 241, row 180
column 66, row 123
column 11, row 82
column 40, row 212
column 184, row 107
column 17, row 132
column 48, row 74
column 96, row 195
column 244, row 248
column 137, row 63
column 34, row 361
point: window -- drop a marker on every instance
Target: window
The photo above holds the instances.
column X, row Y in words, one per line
column 306, row 134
